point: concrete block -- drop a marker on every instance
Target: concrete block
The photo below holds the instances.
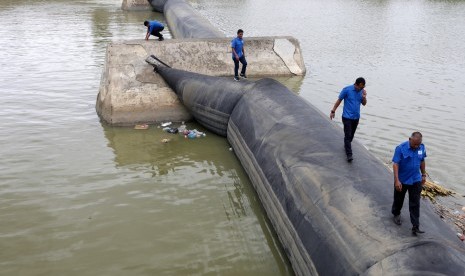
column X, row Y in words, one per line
column 130, row 92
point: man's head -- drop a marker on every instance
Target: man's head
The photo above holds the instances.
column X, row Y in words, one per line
column 359, row 83
column 240, row 33
column 146, row 23
column 415, row 140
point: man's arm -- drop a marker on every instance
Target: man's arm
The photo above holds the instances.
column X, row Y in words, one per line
column 397, row 184
column 423, row 172
column 364, row 97
column 333, row 111
column 235, row 54
column 147, row 35
column 243, row 51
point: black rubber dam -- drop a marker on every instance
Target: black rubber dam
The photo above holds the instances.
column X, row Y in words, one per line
column 332, row 217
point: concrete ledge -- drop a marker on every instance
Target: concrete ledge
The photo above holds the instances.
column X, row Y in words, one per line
column 136, row 5
column 130, row 92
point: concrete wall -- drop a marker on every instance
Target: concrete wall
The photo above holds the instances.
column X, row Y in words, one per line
column 130, row 92
column 135, row 5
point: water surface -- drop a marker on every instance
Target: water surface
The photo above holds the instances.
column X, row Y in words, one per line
column 78, row 197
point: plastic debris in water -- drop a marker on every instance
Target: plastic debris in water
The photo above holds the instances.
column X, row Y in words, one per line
column 461, row 236
column 165, row 140
column 166, row 124
column 172, row 130
column 142, row 126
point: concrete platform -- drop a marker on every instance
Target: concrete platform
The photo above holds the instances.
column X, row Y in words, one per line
column 130, row 92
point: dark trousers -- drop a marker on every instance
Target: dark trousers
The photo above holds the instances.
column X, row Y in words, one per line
column 350, row 126
column 236, row 66
column 156, row 32
column 414, row 193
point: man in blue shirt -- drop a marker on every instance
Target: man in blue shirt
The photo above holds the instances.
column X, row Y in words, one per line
column 238, row 55
column 154, row 28
column 408, row 161
column 353, row 96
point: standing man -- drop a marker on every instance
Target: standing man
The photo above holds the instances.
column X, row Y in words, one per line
column 154, row 28
column 353, row 96
column 238, row 54
column 408, row 162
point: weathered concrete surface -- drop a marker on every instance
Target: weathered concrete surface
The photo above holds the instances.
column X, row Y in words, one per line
column 135, row 5
column 131, row 93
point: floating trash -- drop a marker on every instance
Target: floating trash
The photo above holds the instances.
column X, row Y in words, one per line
column 182, row 129
column 142, row 126
column 431, row 190
column 461, row 236
column 165, row 140
column 172, row 130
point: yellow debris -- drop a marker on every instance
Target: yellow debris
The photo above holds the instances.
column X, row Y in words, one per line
column 431, row 190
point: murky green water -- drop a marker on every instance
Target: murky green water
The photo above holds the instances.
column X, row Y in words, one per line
column 80, row 198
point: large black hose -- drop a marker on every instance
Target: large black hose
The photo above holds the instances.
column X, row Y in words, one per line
column 332, row 217
column 183, row 21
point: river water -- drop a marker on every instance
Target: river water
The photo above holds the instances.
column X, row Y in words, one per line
column 412, row 54
column 81, row 198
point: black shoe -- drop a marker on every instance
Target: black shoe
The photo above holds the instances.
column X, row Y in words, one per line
column 416, row 230
column 236, row 78
column 349, row 158
column 161, row 38
column 243, row 76
column 397, row 220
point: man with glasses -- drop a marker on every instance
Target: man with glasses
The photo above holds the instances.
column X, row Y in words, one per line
column 352, row 95
column 408, row 162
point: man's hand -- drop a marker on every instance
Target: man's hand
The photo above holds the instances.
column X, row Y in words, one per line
column 398, row 185
column 237, row 57
column 332, row 114
column 364, row 93
column 423, row 179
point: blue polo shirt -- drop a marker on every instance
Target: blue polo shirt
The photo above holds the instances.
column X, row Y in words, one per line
column 352, row 100
column 237, row 44
column 409, row 161
column 154, row 24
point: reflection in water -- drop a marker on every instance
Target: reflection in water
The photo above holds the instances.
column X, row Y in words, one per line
column 101, row 21
column 194, row 168
column 293, row 83
column 77, row 198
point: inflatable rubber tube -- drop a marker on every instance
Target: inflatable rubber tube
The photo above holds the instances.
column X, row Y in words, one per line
column 185, row 22
column 157, row 5
column 332, row 217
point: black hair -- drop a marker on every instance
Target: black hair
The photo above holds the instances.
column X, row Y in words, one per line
column 417, row 133
column 240, row 31
column 360, row 80
column 146, row 23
